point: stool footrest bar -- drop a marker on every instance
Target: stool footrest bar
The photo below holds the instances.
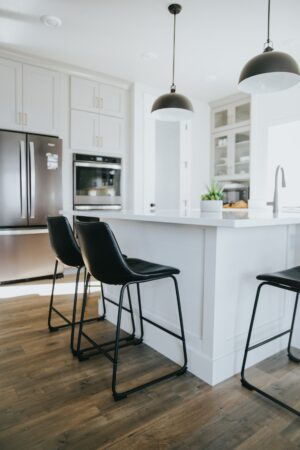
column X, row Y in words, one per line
column 162, row 328
column 269, row 340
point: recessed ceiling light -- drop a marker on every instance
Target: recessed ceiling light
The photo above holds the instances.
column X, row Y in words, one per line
column 51, row 21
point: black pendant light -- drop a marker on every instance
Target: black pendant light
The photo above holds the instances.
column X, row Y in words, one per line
column 172, row 106
column 270, row 71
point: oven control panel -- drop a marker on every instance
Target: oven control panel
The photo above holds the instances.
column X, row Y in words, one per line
column 96, row 158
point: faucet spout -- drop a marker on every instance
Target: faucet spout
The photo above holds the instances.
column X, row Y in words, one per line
column 275, row 202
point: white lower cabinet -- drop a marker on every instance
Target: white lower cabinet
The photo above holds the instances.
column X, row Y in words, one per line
column 91, row 131
column 10, row 95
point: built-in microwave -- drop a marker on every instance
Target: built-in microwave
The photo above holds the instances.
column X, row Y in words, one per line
column 96, row 182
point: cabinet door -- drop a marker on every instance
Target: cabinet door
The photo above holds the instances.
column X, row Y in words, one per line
column 241, row 149
column 111, row 100
column 10, row 94
column 241, row 113
column 220, row 118
column 85, row 94
column 111, row 134
column 40, row 100
column 84, row 130
column 222, row 155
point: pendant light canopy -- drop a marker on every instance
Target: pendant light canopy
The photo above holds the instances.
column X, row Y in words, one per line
column 270, row 71
column 172, row 106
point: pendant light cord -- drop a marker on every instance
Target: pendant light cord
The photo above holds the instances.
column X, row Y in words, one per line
column 269, row 12
column 173, row 87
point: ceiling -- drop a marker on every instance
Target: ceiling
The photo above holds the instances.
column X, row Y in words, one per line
column 132, row 39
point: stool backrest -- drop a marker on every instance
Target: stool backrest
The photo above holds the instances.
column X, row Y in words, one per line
column 101, row 253
column 63, row 241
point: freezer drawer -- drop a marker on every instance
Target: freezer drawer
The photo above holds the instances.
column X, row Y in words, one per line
column 25, row 254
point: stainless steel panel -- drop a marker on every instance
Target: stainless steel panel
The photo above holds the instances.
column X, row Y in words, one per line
column 97, row 200
column 98, row 165
column 44, row 184
column 96, row 207
column 13, row 193
column 26, row 256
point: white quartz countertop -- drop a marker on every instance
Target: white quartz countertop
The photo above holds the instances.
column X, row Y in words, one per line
column 231, row 219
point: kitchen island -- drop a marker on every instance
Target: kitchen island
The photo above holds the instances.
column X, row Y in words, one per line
column 219, row 256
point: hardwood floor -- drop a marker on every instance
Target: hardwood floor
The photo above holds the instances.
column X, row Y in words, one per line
column 49, row 400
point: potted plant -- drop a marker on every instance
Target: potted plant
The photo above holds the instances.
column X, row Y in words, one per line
column 212, row 201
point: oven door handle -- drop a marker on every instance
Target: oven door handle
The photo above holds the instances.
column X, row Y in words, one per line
column 98, row 165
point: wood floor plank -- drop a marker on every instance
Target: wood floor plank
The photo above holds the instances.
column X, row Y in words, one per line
column 51, row 401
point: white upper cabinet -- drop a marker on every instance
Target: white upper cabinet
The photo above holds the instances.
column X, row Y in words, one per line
column 40, row 100
column 91, row 96
column 111, row 100
column 85, row 94
column 111, row 134
column 10, row 94
column 97, row 116
column 84, row 130
column 29, row 98
column 230, row 116
column 90, row 131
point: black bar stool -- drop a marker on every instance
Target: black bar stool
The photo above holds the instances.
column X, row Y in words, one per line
column 105, row 262
column 288, row 280
column 68, row 253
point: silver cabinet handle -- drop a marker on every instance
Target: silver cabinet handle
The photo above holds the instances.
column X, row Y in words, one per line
column 25, row 119
column 101, row 141
column 32, row 180
column 23, row 179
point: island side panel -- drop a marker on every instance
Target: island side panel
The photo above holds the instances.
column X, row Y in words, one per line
column 182, row 246
column 242, row 254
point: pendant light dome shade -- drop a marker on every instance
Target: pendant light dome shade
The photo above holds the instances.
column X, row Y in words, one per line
column 172, row 107
column 270, row 71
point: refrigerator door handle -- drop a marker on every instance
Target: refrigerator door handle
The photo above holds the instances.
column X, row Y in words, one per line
column 32, row 180
column 23, row 179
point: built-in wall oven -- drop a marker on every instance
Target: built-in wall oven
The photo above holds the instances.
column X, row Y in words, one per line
column 96, row 182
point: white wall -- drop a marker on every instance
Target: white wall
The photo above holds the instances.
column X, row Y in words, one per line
column 284, row 149
column 167, row 165
column 268, row 110
column 198, row 139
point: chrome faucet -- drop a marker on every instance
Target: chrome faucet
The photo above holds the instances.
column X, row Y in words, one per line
column 275, row 202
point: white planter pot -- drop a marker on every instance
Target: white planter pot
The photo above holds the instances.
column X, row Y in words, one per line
column 211, row 205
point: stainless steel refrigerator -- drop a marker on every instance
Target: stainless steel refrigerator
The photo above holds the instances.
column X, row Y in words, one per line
column 30, row 189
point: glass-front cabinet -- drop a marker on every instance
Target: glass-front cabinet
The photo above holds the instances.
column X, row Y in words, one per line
column 228, row 116
column 231, row 151
column 231, row 140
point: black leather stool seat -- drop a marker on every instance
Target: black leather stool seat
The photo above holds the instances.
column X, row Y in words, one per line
column 148, row 269
column 289, row 277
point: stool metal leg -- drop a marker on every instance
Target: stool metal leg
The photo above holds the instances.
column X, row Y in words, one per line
column 74, row 311
column 140, row 340
column 103, row 300
column 104, row 347
column 290, row 355
column 51, row 328
column 181, row 324
column 246, row 383
column 180, row 371
column 84, row 300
